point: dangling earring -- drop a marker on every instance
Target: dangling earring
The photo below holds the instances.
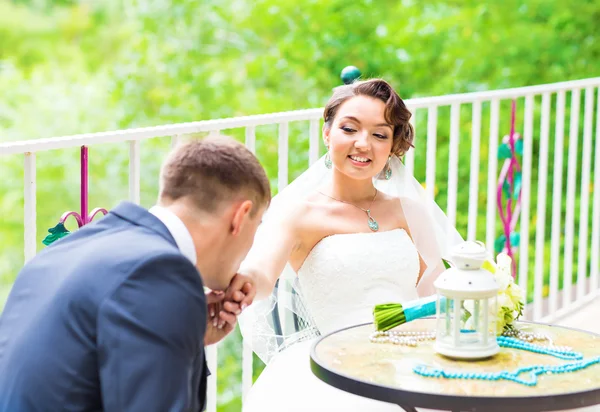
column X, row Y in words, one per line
column 388, row 169
column 328, row 160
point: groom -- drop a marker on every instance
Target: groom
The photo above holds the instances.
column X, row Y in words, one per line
column 114, row 316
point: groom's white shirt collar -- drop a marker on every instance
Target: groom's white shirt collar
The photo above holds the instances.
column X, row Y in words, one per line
column 178, row 231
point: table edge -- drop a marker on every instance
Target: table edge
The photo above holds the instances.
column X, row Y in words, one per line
column 390, row 394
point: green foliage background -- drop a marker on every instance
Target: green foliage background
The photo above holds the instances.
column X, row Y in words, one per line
column 69, row 67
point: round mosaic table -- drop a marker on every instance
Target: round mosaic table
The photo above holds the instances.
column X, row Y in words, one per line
column 347, row 360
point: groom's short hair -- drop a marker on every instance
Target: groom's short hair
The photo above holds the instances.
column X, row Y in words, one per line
column 212, row 171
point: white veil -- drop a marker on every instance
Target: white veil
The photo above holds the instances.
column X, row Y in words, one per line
column 273, row 324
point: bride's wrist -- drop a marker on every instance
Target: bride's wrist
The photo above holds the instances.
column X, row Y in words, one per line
column 259, row 279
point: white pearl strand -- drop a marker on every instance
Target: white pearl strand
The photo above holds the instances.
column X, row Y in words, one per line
column 412, row 338
column 531, row 336
column 407, row 338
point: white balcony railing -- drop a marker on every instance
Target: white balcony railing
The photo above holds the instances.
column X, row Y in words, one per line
column 558, row 303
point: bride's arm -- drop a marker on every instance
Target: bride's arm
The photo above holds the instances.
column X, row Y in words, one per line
column 273, row 245
column 265, row 263
column 258, row 273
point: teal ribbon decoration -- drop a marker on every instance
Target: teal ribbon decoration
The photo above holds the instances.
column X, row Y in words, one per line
column 57, row 232
column 389, row 315
column 422, row 308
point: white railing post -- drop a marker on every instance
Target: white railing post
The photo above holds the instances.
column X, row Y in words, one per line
column 525, row 195
column 175, row 140
column 29, row 215
column 211, row 381
column 490, row 230
column 247, row 349
column 134, row 171
column 595, row 264
column 314, row 140
column 453, row 162
column 431, row 150
column 570, row 217
column 584, row 199
column 557, row 202
column 282, row 161
column 474, row 177
column 540, row 229
column 247, row 357
column 212, row 353
column 250, row 136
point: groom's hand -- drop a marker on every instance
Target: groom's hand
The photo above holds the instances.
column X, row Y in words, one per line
column 220, row 322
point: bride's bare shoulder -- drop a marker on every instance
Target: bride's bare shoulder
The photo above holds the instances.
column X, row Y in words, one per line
column 310, row 211
column 398, row 202
column 397, row 206
column 392, row 204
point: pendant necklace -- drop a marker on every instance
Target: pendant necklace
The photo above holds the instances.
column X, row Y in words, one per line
column 373, row 225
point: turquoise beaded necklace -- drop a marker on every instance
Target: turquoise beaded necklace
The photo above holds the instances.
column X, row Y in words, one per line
column 513, row 343
column 534, row 371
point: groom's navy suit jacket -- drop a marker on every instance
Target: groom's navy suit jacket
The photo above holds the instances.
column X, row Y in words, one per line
column 109, row 318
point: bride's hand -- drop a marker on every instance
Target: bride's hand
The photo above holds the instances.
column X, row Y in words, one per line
column 242, row 289
column 239, row 295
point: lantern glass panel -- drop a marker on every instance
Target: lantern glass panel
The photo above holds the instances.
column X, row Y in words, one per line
column 466, row 321
column 442, row 318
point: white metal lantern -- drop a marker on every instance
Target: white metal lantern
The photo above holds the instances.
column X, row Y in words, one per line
column 466, row 306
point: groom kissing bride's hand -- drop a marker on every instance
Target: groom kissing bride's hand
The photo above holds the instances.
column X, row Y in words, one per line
column 115, row 316
column 224, row 307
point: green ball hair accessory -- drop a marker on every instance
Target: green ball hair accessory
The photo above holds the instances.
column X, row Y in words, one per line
column 350, row 74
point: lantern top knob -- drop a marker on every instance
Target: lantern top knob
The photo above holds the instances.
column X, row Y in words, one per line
column 469, row 255
column 466, row 279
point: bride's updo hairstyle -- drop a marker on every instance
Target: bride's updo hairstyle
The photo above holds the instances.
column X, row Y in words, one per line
column 395, row 114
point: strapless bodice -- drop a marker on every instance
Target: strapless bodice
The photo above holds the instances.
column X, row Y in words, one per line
column 345, row 275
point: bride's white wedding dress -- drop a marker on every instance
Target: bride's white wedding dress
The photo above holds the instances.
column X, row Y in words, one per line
column 342, row 278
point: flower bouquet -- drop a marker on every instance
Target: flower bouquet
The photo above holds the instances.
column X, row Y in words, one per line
column 389, row 315
column 510, row 304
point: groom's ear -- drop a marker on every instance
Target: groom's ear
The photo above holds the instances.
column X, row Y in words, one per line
column 240, row 216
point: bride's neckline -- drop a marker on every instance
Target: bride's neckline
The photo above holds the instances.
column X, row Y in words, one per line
column 344, row 234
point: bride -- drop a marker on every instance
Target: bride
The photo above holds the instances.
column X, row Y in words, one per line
column 353, row 231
